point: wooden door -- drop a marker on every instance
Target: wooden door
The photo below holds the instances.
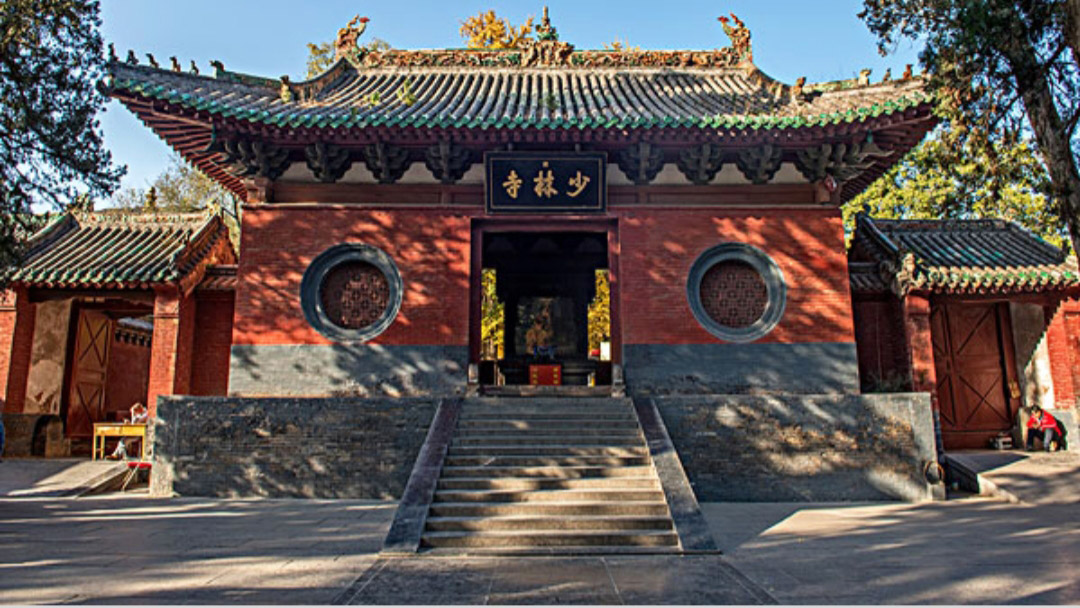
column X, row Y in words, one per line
column 90, row 366
column 972, row 366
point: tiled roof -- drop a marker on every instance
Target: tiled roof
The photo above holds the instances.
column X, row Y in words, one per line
column 484, row 97
column 109, row 250
column 25, row 225
column 646, row 108
column 865, row 278
column 955, row 256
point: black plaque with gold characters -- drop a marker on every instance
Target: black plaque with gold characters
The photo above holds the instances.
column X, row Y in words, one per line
column 545, row 182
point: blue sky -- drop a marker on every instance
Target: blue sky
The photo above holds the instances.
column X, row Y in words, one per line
column 822, row 39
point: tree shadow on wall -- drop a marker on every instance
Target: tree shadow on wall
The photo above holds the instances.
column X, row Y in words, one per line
column 796, row 447
column 425, row 347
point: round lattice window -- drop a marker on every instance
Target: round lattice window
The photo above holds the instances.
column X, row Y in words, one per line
column 354, row 295
column 351, row 293
column 736, row 292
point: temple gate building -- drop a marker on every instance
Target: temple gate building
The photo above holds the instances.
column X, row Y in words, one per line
column 688, row 161
column 563, row 226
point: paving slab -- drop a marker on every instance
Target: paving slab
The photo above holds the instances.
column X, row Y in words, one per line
column 639, row 580
column 119, row 550
column 1037, row 478
column 132, row 549
column 972, row 551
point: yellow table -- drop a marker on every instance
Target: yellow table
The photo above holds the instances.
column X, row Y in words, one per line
column 113, row 429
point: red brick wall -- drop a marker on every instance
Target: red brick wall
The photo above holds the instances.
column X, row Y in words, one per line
column 429, row 246
column 660, row 245
column 16, row 341
column 7, row 340
column 213, row 337
column 920, row 345
column 128, row 377
column 1063, row 344
column 1072, row 325
column 171, row 348
column 431, row 249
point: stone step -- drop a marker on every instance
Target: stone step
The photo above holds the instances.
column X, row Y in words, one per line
column 582, row 495
column 548, row 475
column 494, row 450
column 541, row 416
column 584, row 522
column 503, row 427
column 548, row 509
column 561, row 392
column 519, row 460
column 547, row 472
column 540, row 401
column 518, row 484
column 550, row 539
column 535, row 439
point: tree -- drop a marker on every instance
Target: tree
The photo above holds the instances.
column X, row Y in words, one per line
column 492, row 318
column 179, row 189
column 599, row 313
column 934, row 180
column 486, row 31
column 1000, row 69
column 322, row 56
column 51, row 148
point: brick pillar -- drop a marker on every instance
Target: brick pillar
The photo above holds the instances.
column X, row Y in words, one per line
column 1062, row 346
column 16, row 343
column 171, row 347
column 920, row 345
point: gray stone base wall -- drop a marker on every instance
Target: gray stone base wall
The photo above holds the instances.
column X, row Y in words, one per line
column 813, row 368
column 282, row 447
column 803, row 447
column 357, row 370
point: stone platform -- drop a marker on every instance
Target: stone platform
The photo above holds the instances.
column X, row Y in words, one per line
column 1036, row 478
column 56, row 477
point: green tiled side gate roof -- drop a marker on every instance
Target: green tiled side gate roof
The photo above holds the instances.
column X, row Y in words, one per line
column 565, row 97
column 956, row 256
column 81, row 250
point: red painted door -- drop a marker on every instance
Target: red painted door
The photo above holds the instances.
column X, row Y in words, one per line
column 90, row 366
column 972, row 379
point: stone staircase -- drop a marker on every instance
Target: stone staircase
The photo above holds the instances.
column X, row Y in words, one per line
column 548, row 475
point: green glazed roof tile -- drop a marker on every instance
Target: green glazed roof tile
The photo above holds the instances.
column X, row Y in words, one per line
column 501, row 97
column 973, row 256
column 96, row 249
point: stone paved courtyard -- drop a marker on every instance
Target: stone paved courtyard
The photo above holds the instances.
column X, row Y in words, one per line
column 136, row 550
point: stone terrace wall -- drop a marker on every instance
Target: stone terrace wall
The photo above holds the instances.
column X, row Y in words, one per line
column 282, row 447
column 803, row 447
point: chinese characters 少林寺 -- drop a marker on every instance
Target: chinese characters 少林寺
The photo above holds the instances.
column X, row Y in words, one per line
column 512, row 184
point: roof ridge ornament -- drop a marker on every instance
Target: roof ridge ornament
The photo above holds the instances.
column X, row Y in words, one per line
column 546, row 49
column 545, row 31
column 346, row 45
column 739, row 35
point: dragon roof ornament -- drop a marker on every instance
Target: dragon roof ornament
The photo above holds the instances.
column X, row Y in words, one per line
column 345, row 45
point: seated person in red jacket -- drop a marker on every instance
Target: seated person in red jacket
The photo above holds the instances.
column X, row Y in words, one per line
column 1043, row 426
